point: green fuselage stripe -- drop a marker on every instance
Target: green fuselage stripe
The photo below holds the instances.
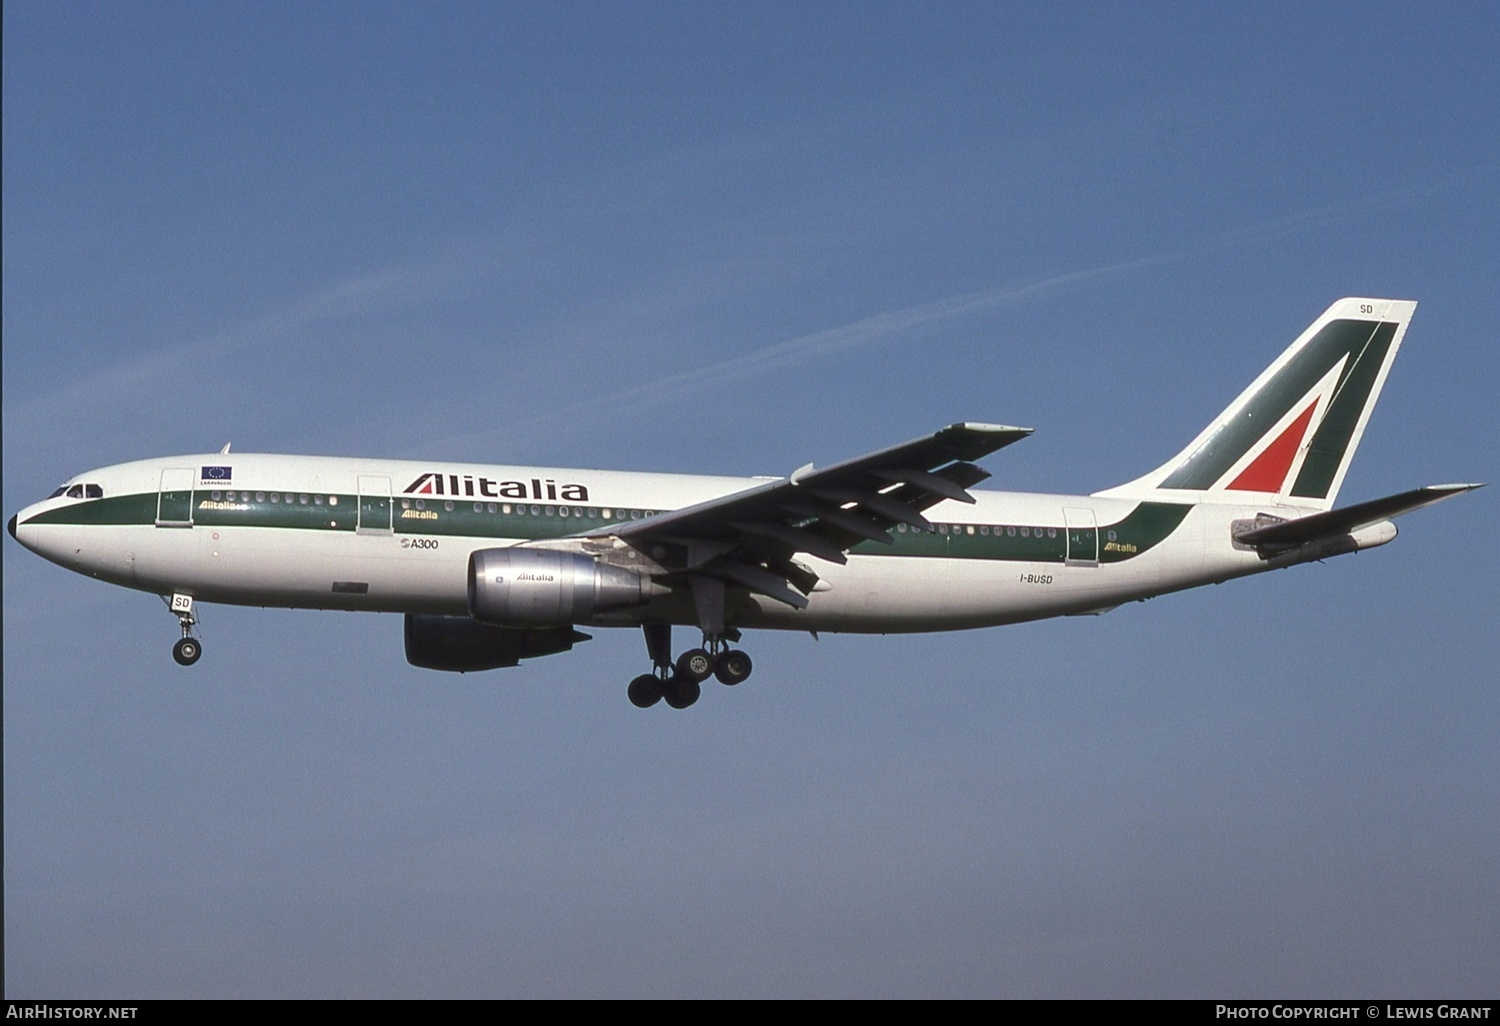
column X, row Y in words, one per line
column 1143, row 528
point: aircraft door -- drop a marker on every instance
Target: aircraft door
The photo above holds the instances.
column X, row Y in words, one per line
column 174, row 503
column 374, row 505
column 1083, row 537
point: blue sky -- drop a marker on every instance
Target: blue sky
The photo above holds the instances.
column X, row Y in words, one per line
column 736, row 239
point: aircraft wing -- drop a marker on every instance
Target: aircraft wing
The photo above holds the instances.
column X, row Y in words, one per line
column 1290, row 533
column 750, row 538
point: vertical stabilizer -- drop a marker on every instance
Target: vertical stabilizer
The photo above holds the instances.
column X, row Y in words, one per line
column 1289, row 437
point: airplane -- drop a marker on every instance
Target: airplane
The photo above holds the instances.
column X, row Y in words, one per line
column 491, row 565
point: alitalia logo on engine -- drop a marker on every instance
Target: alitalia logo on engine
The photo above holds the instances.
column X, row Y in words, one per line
column 538, row 488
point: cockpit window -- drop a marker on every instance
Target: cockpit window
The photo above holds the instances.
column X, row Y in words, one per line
column 78, row 491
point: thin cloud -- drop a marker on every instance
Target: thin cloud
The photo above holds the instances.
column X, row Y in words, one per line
column 890, row 325
column 120, row 383
column 874, row 330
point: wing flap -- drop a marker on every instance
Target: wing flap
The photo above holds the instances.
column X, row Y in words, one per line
column 758, row 580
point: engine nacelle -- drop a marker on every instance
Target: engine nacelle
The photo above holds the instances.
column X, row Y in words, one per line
column 462, row 645
column 521, row 587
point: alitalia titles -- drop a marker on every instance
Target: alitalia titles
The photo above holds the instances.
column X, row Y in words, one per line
column 467, row 485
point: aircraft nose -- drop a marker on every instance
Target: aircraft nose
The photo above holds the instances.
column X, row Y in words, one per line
column 11, row 527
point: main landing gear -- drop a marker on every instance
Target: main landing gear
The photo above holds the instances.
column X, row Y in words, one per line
column 186, row 651
column 680, row 682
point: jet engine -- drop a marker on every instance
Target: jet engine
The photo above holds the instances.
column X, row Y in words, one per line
column 523, row 587
column 460, row 644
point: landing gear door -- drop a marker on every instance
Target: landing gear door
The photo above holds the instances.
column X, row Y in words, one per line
column 374, row 505
column 1083, row 537
column 174, row 503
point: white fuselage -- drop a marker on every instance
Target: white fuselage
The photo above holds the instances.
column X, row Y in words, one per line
column 396, row 536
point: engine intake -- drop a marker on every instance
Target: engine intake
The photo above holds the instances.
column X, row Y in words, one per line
column 525, row 587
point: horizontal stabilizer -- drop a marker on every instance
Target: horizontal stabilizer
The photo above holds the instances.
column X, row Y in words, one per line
column 1350, row 518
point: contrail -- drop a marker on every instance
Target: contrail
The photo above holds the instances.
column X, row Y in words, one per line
column 120, row 383
column 868, row 331
column 891, row 324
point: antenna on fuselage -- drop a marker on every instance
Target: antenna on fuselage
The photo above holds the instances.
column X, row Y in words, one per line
column 226, row 447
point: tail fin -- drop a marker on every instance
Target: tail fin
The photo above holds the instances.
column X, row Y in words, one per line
column 1289, row 437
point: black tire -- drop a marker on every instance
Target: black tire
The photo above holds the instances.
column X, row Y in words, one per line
column 644, row 691
column 187, row 651
column 681, row 692
column 734, row 666
column 695, row 664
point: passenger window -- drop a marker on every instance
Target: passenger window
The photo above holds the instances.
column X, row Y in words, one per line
column 448, row 506
column 302, row 500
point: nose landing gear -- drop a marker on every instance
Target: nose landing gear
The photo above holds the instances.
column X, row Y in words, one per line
column 187, row 650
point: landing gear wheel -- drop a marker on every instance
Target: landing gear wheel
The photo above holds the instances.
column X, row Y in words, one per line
column 681, row 692
column 695, row 664
column 733, row 667
column 187, row 651
column 645, row 691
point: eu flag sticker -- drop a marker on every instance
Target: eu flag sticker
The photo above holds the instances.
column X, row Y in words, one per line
column 219, row 474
